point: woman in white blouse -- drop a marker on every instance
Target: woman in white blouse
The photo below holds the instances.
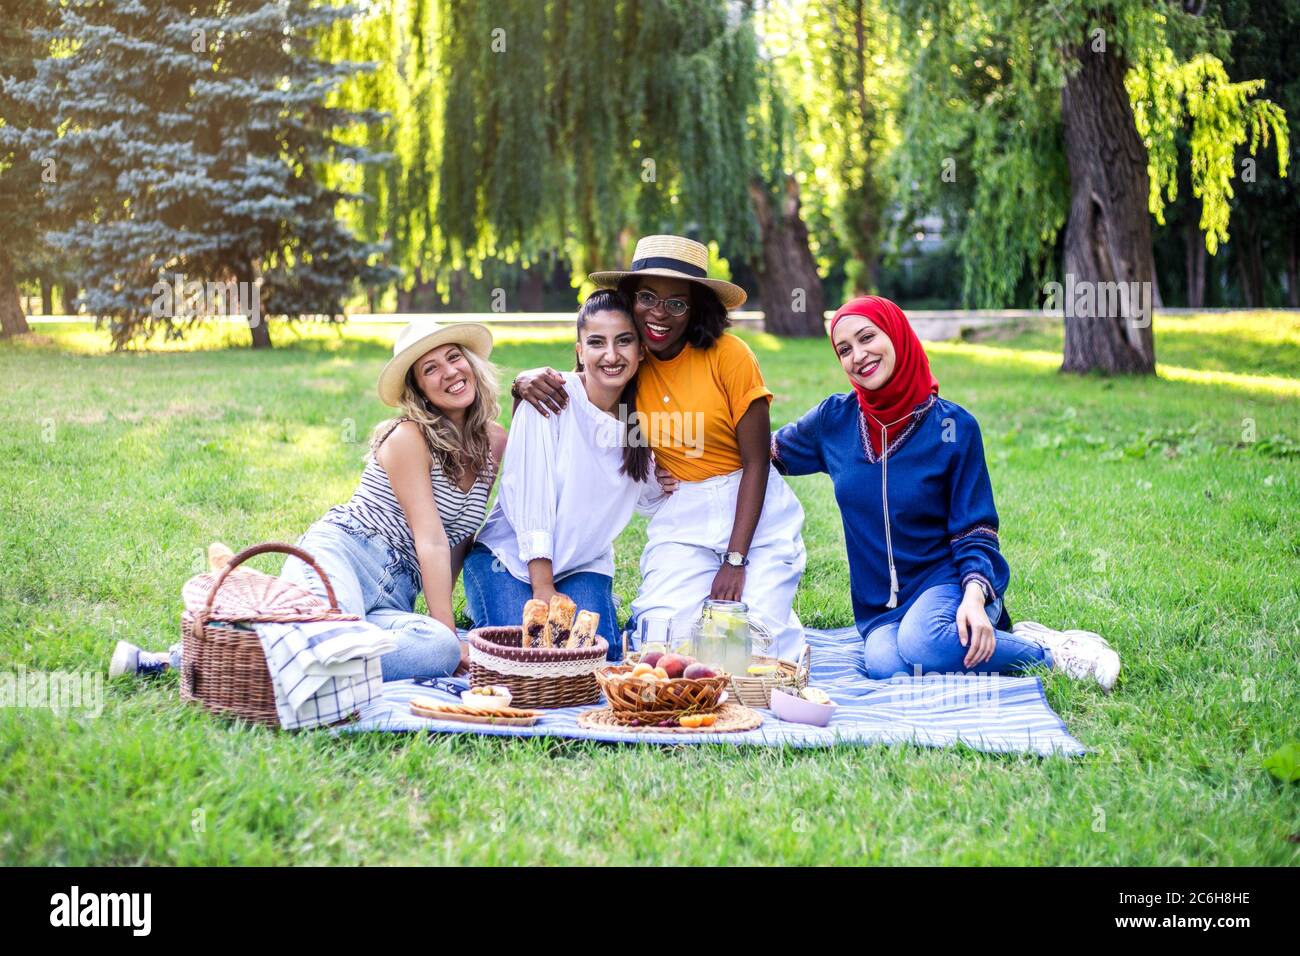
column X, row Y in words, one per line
column 569, row 485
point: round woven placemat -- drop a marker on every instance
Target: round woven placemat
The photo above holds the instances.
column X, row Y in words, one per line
column 732, row 718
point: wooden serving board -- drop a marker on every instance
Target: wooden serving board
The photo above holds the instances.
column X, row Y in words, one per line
column 452, row 715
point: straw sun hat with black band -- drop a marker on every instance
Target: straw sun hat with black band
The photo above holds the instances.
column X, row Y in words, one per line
column 419, row 337
column 674, row 257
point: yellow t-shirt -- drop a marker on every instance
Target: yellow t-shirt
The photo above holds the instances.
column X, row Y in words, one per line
column 689, row 406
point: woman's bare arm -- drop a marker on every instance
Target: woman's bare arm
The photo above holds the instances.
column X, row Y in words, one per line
column 405, row 457
column 753, row 433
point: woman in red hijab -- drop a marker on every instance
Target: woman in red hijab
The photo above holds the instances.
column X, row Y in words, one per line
column 926, row 574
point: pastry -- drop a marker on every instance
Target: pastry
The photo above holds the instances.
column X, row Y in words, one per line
column 584, row 629
column 534, row 624
column 560, row 621
column 429, row 705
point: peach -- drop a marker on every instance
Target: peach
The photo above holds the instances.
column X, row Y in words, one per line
column 698, row 671
column 651, row 657
column 674, row 664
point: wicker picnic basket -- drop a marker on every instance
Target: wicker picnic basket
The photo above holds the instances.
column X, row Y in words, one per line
column 636, row 697
column 223, row 667
column 756, row 690
column 542, row 677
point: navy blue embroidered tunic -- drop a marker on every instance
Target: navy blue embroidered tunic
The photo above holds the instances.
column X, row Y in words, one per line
column 943, row 523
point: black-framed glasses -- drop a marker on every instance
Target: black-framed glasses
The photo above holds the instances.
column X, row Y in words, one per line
column 674, row 306
column 449, row 685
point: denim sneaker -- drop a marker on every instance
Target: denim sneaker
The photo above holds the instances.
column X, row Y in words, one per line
column 129, row 659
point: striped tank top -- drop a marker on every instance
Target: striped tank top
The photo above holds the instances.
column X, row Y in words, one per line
column 374, row 506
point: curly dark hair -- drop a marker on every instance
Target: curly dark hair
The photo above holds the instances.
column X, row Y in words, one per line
column 708, row 316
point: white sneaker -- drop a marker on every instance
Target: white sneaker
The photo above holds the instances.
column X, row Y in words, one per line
column 1077, row 654
column 129, row 659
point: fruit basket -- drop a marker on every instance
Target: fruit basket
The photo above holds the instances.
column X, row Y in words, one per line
column 537, row 677
column 650, row 699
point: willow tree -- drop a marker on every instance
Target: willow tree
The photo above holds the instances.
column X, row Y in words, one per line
column 1064, row 116
column 837, row 65
column 523, row 129
column 399, row 39
column 577, row 122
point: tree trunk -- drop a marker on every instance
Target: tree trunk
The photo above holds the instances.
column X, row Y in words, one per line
column 1195, row 258
column 1250, row 261
column 532, row 289
column 47, row 297
column 12, row 320
column 791, row 290
column 1108, row 234
column 261, row 329
column 1293, row 266
column 69, row 298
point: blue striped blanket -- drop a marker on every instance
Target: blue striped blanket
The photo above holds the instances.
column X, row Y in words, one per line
column 997, row 714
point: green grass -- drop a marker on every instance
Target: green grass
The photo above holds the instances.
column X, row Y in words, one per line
column 1134, row 508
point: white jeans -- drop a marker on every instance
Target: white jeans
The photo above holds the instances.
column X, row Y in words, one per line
column 692, row 530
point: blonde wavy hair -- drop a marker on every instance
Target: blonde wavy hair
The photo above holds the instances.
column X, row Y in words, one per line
column 458, row 452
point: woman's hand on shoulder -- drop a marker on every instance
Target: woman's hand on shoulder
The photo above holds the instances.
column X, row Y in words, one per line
column 542, row 388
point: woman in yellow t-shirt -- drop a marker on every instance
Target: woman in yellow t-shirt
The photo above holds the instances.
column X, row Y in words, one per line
column 732, row 530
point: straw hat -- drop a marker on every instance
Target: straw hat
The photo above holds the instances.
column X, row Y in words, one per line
column 677, row 258
column 421, row 336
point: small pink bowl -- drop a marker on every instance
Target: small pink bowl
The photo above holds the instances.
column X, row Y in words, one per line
column 796, row 710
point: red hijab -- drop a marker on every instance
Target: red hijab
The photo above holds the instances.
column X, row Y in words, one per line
column 911, row 383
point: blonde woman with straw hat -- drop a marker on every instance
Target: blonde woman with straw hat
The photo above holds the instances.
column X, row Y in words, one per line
column 421, row 498
column 422, row 495
column 732, row 529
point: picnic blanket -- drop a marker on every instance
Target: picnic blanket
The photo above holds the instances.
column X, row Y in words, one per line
column 992, row 713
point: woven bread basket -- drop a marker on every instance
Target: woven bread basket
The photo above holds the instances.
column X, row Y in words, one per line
column 756, row 690
column 635, row 695
column 538, row 677
column 223, row 667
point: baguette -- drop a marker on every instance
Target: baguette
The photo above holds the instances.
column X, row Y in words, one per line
column 559, row 623
column 584, row 629
column 534, row 624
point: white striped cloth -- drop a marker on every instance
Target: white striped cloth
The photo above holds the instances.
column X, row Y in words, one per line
column 996, row 714
column 323, row 671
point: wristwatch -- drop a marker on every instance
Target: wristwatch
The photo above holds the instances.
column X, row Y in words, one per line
column 736, row 559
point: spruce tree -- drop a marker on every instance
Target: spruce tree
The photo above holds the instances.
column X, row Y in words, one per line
column 188, row 138
column 23, row 178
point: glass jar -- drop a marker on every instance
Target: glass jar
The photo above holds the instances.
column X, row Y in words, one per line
column 722, row 636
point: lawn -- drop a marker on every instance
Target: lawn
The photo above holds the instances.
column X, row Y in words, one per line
column 1162, row 513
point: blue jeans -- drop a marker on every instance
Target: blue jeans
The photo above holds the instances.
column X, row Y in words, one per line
column 495, row 598
column 926, row 637
column 371, row 580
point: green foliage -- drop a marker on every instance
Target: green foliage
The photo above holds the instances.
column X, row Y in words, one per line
column 1223, row 115
column 25, row 178
column 1284, row 763
column 832, row 76
column 985, row 96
